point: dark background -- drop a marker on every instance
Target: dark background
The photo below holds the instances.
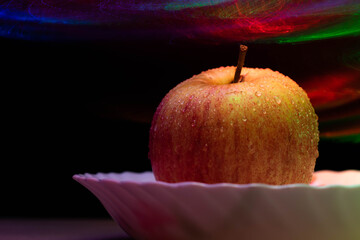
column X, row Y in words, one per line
column 83, row 106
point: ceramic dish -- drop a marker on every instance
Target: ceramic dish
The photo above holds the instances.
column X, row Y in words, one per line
column 328, row 209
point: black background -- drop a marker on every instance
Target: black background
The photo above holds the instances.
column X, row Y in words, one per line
column 86, row 106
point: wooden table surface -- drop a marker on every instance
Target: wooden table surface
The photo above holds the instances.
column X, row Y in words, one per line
column 64, row 229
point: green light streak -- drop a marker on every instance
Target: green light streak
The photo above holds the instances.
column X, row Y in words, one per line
column 180, row 5
column 347, row 28
column 352, row 135
column 354, row 138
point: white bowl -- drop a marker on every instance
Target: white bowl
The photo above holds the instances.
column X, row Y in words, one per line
column 148, row 209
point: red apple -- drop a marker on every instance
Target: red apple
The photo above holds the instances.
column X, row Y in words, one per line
column 262, row 129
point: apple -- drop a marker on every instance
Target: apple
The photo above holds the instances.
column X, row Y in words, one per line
column 256, row 127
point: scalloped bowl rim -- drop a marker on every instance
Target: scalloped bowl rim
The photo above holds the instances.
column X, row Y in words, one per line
column 94, row 177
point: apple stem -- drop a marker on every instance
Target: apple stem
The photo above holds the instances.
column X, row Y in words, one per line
column 241, row 60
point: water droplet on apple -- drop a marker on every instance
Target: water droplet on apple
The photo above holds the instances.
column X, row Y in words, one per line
column 258, row 93
column 277, row 100
column 205, row 148
column 264, row 112
column 244, row 119
column 251, row 147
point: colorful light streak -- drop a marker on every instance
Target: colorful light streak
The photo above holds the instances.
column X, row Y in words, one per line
column 333, row 89
column 283, row 22
column 343, row 137
column 181, row 5
column 216, row 20
column 345, row 129
column 347, row 27
column 336, row 99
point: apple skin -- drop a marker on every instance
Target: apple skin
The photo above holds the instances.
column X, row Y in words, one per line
column 260, row 130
